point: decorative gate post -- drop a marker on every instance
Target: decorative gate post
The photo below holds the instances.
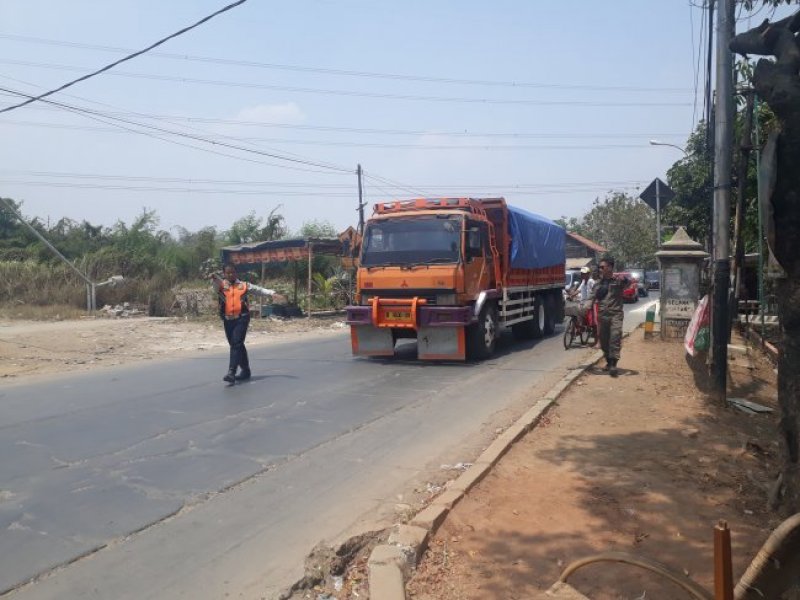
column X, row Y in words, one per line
column 680, row 262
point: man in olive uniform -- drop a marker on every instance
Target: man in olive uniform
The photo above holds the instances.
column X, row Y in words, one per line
column 608, row 294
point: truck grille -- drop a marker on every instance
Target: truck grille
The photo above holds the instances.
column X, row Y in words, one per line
column 427, row 294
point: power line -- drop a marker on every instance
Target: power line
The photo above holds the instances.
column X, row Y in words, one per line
column 95, row 115
column 351, row 93
column 392, row 132
column 394, row 184
column 345, row 72
column 98, row 115
column 346, row 144
column 282, row 193
column 126, row 58
column 289, row 184
column 119, row 128
column 357, row 130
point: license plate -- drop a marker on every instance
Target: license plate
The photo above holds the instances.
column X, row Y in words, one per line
column 394, row 315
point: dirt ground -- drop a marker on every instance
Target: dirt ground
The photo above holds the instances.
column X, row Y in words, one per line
column 37, row 348
column 644, row 464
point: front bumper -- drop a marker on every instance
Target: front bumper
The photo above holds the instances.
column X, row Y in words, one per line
column 426, row 316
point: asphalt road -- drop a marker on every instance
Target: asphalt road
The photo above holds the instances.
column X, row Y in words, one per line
column 157, row 481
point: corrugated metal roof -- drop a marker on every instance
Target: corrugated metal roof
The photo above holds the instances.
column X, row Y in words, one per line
column 586, row 242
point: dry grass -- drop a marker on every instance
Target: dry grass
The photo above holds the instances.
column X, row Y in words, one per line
column 29, row 312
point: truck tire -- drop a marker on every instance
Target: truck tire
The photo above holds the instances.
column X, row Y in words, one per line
column 482, row 336
column 550, row 314
column 533, row 328
column 539, row 317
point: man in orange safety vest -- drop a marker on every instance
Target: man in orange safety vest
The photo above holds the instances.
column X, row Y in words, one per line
column 234, row 310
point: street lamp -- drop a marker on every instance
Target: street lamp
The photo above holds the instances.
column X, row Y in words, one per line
column 660, row 143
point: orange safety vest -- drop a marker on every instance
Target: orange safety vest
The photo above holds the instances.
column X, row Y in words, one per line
column 233, row 299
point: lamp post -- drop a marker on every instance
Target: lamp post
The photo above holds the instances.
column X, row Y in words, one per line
column 660, row 143
column 658, row 198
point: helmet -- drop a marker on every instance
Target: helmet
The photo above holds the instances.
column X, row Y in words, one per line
column 585, row 270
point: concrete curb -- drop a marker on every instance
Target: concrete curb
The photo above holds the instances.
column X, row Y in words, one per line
column 752, row 335
column 390, row 564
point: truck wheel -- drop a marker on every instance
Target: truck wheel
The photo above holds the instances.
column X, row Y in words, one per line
column 549, row 314
column 532, row 328
column 539, row 317
column 482, row 336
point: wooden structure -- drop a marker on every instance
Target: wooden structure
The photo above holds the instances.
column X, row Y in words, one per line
column 581, row 251
column 260, row 253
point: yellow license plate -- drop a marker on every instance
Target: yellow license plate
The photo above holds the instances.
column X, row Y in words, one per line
column 394, row 315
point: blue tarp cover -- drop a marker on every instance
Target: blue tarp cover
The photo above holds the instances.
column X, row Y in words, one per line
column 536, row 242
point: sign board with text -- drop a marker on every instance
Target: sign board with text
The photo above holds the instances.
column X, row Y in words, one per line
column 679, row 308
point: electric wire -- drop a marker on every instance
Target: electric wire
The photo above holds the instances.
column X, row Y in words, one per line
column 131, row 56
column 348, row 93
column 246, row 192
column 261, row 183
column 97, row 115
column 345, row 72
column 415, row 133
column 118, row 128
column 346, row 144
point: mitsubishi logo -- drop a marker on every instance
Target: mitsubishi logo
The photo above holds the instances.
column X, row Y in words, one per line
column 404, row 284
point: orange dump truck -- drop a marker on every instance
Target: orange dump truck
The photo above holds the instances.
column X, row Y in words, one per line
column 451, row 272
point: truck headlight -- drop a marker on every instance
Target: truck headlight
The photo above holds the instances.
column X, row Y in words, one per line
column 446, row 299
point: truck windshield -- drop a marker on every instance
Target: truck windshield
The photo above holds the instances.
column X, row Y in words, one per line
column 410, row 241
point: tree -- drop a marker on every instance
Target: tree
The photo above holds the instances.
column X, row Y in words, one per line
column 255, row 229
column 778, row 83
column 14, row 238
column 569, row 223
column 691, row 180
column 317, row 229
column 625, row 226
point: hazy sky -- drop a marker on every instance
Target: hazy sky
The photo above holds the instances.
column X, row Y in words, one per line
column 592, row 83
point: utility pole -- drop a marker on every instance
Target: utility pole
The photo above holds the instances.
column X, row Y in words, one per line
column 745, row 147
column 658, row 214
column 709, row 95
column 723, row 160
column 360, row 203
column 90, row 285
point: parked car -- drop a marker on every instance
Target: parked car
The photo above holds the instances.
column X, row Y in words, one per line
column 653, row 279
column 641, row 283
column 630, row 293
column 573, row 278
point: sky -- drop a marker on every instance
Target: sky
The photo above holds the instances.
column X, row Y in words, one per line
column 274, row 104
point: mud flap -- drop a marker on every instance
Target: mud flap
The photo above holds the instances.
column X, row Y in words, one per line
column 441, row 343
column 371, row 341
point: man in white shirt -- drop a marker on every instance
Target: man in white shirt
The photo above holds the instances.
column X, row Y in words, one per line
column 582, row 295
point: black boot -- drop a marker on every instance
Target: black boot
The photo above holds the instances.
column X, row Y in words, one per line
column 230, row 377
column 613, row 368
column 243, row 375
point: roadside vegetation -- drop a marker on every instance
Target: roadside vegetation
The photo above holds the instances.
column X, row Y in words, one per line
column 164, row 273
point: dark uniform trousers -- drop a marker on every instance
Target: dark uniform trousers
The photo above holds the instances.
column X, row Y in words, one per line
column 610, row 326
column 236, row 331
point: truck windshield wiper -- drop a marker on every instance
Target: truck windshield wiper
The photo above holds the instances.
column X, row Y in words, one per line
column 432, row 261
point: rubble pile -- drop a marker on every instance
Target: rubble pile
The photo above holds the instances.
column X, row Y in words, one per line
column 121, row 311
